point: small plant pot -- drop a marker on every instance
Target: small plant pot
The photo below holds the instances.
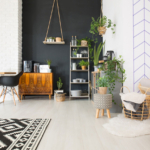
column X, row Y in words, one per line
column 102, row 90
column 102, row 30
column 49, row 70
column 95, row 68
column 83, row 67
column 83, row 43
column 50, row 40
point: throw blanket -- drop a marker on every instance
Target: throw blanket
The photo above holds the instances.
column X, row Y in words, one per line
column 132, row 100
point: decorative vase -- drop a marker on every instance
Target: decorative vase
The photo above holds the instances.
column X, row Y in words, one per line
column 74, row 66
column 102, row 90
column 83, row 67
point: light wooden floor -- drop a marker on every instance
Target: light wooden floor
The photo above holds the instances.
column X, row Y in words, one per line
column 73, row 125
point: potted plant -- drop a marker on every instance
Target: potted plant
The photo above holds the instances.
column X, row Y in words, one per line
column 50, row 39
column 49, row 65
column 83, row 64
column 59, row 84
column 53, row 39
column 97, row 54
column 89, row 44
column 102, row 83
column 112, row 69
column 100, row 25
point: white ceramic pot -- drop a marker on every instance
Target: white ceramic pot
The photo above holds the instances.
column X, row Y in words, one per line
column 49, row 70
column 83, row 80
column 95, row 68
column 79, row 79
column 75, row 81
column 78, row 55
column 47, row 40
column 50, row 40
column 76, row 93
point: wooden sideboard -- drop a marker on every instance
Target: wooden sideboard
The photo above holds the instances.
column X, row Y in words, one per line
column 36, row 84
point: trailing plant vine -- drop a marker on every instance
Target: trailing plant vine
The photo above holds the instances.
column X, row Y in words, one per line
column 112, row 68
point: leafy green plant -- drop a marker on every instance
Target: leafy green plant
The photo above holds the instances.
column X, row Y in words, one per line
column 101, row 22
column 59, row 84
column 94, row 29
column 97, row 53
column 102, row 82
column 75, row 52
column 112, row 68
column 49, row 63
column 83, row 63
column 89, row 41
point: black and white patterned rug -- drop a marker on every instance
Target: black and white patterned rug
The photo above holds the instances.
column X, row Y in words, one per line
column 21, row 134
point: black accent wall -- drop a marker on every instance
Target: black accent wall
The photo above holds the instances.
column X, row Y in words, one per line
column 75, row 17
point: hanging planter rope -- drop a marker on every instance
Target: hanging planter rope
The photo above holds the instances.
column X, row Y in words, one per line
column 62, row 39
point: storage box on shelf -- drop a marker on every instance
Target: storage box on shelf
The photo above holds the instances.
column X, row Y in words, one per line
column 87, row 71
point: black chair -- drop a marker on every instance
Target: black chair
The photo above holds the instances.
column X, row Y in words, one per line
column 10, row 81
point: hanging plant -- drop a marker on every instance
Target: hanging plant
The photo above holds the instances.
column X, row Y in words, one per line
column 104, row 24
column 100, row 26
column 112, row 68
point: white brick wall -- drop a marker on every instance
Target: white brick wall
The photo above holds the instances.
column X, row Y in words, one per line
column 10, row 37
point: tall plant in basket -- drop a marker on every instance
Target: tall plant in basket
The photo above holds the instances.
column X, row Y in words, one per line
column 112, row 70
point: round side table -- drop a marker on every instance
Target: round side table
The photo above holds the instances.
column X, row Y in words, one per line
column 102, row 101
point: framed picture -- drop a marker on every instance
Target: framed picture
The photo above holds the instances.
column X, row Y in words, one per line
column 44, row 68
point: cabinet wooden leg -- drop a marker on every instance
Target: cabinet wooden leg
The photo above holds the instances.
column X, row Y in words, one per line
column 21, row 97
column 4, row 95
column 108, row 113
column 97, row 113
column 16, row 94
column 50, row 97
column 13, row 97
column 2, row 92
column 102, row 113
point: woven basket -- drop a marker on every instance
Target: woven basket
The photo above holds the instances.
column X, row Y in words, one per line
column 142, row 113
column 103, row 101
column 60, row 97
column 102, row 30
column 83, row 43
